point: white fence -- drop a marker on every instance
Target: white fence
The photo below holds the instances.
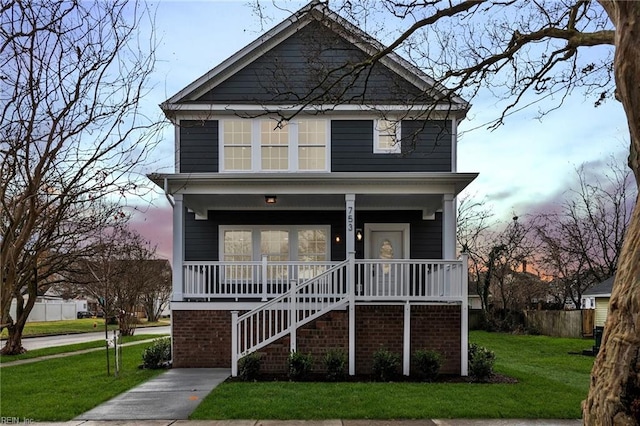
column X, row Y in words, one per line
column 49, row 311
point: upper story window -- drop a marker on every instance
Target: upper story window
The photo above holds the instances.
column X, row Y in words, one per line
column 267, row 145
column 386, row 137
column 237, row 145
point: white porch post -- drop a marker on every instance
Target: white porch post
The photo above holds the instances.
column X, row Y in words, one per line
column 449, row 227
column 350, row 201
column 234, row 343
column 263, row 281
column 406, row 345
column 178, row 247
column 293, row 318
column 464, row 317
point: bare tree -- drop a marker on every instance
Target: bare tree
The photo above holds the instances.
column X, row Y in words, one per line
column 474, row 230
column 118, row 274
column 581, row 243
column 156, row 274
column 71, row 76
column 518, row 50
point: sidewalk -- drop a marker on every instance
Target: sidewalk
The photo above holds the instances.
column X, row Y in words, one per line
column 435, row 422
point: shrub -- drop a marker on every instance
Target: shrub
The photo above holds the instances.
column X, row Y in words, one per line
column 299, row 366
column 385, row 365
column 427, row 364
column 481, row 362
column 335, row 362
column 249, row 367
column 158, row 355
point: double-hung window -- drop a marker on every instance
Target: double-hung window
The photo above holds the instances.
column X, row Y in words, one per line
column 267, row 145
column 386, row 137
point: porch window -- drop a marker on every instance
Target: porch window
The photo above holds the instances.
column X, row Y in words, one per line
column 386, row 137
column 238, row 248
column 280, row 243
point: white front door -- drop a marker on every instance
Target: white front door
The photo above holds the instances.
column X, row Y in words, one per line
column 386, row 242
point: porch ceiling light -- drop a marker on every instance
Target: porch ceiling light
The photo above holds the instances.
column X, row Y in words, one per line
column 270, row 199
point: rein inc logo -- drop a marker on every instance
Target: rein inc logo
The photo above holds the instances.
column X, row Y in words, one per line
column 15, row 421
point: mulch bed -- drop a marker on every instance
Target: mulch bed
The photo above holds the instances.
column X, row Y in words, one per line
column 495, row 378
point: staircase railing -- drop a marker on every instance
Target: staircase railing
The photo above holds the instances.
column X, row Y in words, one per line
column 281, row 316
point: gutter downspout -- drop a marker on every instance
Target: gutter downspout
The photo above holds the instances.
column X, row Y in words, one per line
column 166, row 193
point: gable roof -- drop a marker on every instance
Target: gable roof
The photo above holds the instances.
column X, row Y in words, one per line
column 602, row 289
column 315, row 13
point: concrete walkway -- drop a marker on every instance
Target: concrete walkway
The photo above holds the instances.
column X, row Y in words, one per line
column 173, row 394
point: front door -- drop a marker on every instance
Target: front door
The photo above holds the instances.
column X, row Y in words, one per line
column 387, row 242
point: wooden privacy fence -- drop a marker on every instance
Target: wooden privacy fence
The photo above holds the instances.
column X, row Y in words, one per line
column 560, row 323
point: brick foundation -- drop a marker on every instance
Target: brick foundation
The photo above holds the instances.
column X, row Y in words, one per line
column 203, row 338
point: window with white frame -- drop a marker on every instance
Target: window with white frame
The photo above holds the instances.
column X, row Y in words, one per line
column 237, row 248
column 279, row 243
column 272, row 146
column 237, row 144
column 312, row 144
column 386, row 137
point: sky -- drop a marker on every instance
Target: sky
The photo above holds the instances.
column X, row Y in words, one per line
column 525, row 166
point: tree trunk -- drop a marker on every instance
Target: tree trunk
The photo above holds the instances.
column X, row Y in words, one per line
column 614, row 393
column 13, row 345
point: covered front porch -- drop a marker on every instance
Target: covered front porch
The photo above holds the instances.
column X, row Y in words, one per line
column 380, row 240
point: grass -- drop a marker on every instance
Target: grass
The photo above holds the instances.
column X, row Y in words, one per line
column 551, row 384
column 85, row 325
column 37, row 353
column 61, row 389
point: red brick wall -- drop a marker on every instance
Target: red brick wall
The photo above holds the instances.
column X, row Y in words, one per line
column 438, row 328
column 203, row 338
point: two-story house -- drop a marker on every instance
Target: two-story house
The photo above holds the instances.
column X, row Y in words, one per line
column 314, row 204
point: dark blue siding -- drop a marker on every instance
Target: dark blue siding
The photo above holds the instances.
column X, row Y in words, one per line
column 201, row 236
column 310, row 63
column 198, row 146
column 426, row 147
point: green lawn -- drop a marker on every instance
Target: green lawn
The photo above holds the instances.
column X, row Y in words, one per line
column 85, row 325
column 63, row 388
column 36, row 353
column 552, row 383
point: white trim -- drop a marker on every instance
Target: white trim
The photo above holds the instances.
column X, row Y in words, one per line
column 178, row 246
column 408, row 111
column 449, row 227
column 454, row 144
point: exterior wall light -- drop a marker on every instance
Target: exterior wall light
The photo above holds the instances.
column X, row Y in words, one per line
column 359, row 235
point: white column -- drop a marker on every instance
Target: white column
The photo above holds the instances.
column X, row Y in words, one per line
column 406, row 343
column 178, row 247
column 464, row 318
column 350, row 222
column 234, row 343
column 350, row 238
column 449, row 227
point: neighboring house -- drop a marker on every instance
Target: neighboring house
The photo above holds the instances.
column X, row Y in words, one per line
column 598, row 296
column 334, row 229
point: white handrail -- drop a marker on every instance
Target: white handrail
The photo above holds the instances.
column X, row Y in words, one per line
column 278, row 317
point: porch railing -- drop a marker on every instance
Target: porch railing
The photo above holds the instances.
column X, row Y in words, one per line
column 375, row 279
column 301, row 304
column 241, row 280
